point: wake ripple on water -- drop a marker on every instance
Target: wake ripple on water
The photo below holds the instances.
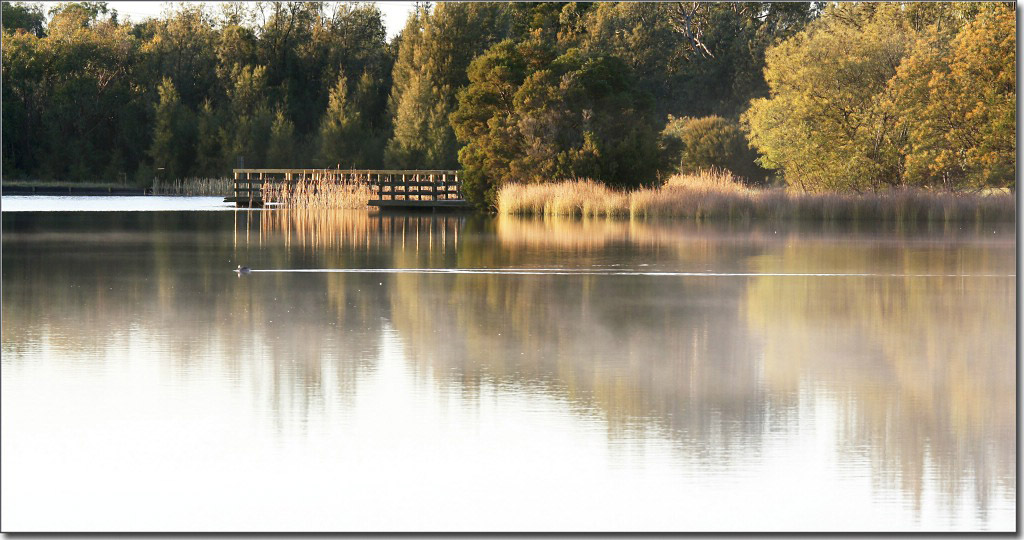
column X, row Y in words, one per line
column 591, row 272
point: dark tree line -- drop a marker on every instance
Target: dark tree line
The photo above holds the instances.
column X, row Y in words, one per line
column 194, row 92
column 312, row 84
column 623, row 93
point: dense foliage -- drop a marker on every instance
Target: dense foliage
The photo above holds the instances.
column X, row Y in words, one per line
column 707, row 143
column 434, row 53
column 877, row 95
column 582, row 90
column 193, row 92
column 853, row 96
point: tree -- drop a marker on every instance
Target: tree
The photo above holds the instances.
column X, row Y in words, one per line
column 26, row 17
column 826, row 124
column 373, row 126
column 695, row 58
column 485, row 120
column 339, row 129
column 184, row 48
column 210, row 159
column 281, row 152
column 246, row 134
column 70, row 107
column 861, row 97
column 955, row 96
column 694, row 144
column 530, row 116
column 24, row 59
column 172, row 148
column 435, row 52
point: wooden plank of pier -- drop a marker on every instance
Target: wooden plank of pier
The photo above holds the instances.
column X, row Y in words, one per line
column 425, row 188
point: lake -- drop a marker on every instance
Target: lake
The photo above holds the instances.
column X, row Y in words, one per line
column 479, row 373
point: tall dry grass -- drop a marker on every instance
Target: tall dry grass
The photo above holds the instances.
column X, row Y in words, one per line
column 320, row 192
column 580, row 198
column 193, row 186
column 719, row 195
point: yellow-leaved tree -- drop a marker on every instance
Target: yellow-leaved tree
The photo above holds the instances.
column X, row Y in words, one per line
column 826, row 123
column 955, row 95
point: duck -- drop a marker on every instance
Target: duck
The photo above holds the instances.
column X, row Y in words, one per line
column 243, row 270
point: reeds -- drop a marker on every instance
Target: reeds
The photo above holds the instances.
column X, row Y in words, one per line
column 318, row 192
column 194, row 186
column 719, row 195
column 580, row 198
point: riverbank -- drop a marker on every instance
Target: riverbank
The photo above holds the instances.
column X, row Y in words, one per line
column 184, row 186
column 69, row 188
column 718, row 195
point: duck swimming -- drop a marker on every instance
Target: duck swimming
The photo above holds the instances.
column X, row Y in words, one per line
column 243, row 270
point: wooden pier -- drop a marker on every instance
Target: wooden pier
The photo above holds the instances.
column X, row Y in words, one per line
column 389, row 188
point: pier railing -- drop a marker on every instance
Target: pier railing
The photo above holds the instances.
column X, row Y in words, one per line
column 388, row 187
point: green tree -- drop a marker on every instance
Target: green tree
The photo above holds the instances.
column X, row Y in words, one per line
column 435, row 51
column 70, row 105
column 573, row 116
column 26, row 17
column 485, row 120
column 826, row 124
column 695, row 58
column 281, row 152
column 25, row 57
column 173, row 147
column 246, row 134
column 339, row 129
column 373, row 124
column 210, row 160
column 184, row 48
column 694, row 144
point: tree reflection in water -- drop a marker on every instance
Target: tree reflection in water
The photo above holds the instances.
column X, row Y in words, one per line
column 920, row 370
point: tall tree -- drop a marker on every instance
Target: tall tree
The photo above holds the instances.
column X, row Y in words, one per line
column 25, row 17
column 574, row 116
column 173, row 145
column 436, row 49
column 246, row 134
column 826, row 124
column 184, row 48
column 339, row 129
column 281, row 149
column 955, row 96
column 210, row 160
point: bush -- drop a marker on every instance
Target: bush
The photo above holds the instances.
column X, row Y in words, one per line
column 691, row 145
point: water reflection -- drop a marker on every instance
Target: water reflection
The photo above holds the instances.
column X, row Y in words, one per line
column 919, row 371
column 920, row 368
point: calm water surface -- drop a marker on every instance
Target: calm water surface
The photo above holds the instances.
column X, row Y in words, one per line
column 585, row 375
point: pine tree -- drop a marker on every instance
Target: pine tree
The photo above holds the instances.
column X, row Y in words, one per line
column 433, row 58
column 210, row 160
column 339, row 129
column 167, row 140
column 282, row 141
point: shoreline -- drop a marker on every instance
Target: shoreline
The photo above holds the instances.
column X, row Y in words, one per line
column 73, row 190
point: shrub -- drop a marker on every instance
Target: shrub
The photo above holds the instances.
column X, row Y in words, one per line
column 712, row 142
